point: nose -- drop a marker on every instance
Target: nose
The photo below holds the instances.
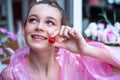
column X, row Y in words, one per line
column 40, row 27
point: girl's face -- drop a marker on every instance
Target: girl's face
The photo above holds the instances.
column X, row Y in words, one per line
column 43, row 20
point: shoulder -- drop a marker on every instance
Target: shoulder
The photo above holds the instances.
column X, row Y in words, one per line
column 6, row 74
column 22, row 50
column 15, row 60
column 19, row 54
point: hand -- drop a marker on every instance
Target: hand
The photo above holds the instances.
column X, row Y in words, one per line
column 69, row 39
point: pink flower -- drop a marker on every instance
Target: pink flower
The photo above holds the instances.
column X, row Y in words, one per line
column 12, row 36
column 1, row 51
column 2, row 30
column 6, row 36
column 102, row 35
column 111, row 36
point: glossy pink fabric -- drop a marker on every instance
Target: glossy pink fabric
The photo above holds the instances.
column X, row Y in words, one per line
column 73, row 66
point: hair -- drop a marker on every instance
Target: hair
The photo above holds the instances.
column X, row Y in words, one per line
column 52, row 3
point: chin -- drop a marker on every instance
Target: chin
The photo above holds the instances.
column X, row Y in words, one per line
column 39, row 46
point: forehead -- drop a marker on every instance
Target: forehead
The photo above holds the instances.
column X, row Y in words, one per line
column 45, row 10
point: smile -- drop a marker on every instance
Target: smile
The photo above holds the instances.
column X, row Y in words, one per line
column 39, row 37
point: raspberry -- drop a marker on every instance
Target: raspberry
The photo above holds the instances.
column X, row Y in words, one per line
column 52, row 40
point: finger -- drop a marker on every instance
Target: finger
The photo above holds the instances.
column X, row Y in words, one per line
column 61, row 30
column 59, row 45
column 72, row 32
column 66, row 31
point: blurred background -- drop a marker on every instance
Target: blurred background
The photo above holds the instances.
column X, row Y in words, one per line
column 80, row 13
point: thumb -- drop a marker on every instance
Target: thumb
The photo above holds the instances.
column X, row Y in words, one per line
column 59, row 45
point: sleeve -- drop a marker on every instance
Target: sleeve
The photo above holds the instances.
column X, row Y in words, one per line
column 99, row 69
column 7, row 74
column 115, row 53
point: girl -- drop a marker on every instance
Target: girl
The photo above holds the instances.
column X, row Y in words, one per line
column 70, row 57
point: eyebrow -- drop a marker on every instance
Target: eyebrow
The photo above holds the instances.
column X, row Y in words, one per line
column 49, row 17
column 33, row 15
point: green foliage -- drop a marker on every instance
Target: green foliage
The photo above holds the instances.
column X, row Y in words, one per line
column 105, row 17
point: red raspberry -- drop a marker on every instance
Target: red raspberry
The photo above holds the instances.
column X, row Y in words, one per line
column 52, row 40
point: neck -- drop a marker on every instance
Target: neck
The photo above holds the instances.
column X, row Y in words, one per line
column 41, row 61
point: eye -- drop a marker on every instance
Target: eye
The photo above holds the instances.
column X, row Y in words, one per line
column 50, row 23
column 33, row 20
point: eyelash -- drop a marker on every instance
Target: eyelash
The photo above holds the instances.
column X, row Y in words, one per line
column 48, row 22
column 31, row 20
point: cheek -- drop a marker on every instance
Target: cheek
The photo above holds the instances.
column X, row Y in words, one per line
column 28, row 29
column 26, row 32
column 51, row 31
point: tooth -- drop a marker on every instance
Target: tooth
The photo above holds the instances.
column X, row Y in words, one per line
column 38, row 37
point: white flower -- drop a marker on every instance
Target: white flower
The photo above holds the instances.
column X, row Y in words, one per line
column 87, row 32
column 91, row 30
column 100, row 33
column 101, row 26
column 92, row 26
column 117, row 26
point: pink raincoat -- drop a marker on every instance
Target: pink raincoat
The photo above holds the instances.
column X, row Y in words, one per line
column 73, row 66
